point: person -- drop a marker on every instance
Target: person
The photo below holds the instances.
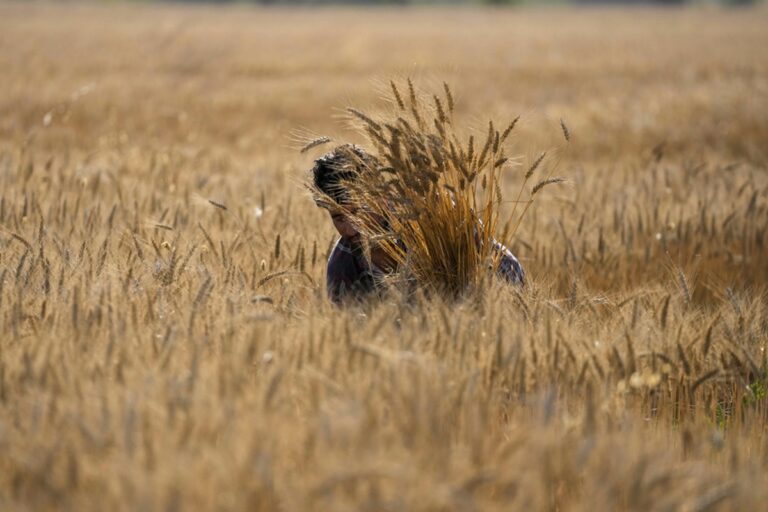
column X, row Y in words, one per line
column 349, row 274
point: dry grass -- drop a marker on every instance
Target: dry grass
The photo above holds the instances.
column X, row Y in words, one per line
column 166, row 343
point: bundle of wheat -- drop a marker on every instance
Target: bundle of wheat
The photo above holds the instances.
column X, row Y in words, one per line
column 429, row 201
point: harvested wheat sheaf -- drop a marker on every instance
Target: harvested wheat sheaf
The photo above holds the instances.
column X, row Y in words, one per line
column 440, row 197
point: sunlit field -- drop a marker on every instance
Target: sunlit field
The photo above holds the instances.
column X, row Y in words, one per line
column 165, row 338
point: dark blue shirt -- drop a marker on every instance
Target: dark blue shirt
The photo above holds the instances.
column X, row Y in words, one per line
column 349, row 275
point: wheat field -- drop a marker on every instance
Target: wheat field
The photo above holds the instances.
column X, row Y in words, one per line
column 166, row 343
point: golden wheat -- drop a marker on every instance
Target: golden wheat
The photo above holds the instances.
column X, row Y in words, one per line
column 166, row 341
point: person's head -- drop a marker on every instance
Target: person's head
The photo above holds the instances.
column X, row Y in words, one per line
column 330, row 176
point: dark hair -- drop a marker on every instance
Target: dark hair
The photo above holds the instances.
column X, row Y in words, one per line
column 343, row 164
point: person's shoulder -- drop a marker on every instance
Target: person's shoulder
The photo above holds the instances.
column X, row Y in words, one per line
column 511, row 268
column 340, row 256
column 340, row 248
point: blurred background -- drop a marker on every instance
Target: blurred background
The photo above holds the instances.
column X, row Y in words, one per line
column 458, row 2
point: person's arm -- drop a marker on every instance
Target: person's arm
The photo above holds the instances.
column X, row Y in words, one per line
column 336, row 280
column 509, row 267
column 346, row 274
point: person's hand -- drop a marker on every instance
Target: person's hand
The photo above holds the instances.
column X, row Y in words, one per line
column 382, row 260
